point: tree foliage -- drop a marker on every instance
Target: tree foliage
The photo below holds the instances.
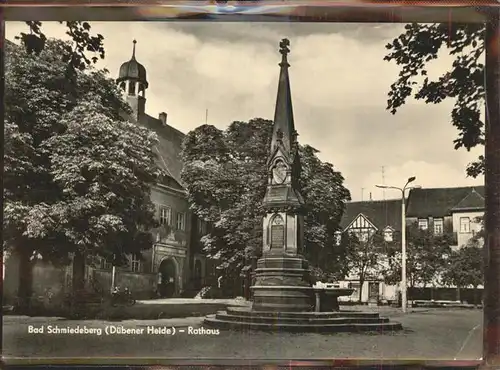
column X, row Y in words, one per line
column 426, row 255
column 226, row 176
column 465, row 267
column 75, row 53
column 416, row 48
column 76, row 174
column 365, row 255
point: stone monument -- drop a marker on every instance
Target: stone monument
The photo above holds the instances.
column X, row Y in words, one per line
column 283, row 295
column 282, row 280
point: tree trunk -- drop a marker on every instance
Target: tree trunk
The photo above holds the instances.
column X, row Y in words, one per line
column 78, row 272
column 25, row 289
column 458, row 294
column 491, row 326
column 361, row 283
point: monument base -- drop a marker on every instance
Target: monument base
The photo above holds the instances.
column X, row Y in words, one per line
column 243, row 318
column 283, row 283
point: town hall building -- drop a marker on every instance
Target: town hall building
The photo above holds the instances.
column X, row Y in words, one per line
column 175, row 264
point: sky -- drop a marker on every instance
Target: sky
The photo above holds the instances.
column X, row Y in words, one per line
column 339, row 84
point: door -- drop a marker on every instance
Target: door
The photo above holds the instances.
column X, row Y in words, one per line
column 373, row 291
column 168, row 278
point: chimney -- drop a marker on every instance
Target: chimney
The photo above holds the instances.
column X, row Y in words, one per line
column 163, row 118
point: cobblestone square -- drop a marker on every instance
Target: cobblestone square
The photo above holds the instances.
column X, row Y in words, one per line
column 437, row 334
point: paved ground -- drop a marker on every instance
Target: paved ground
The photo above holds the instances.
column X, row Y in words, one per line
column 176, row 301
column 430, row 334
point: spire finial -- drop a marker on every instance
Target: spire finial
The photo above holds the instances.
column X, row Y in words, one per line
column 133, row 50
column 284, row 50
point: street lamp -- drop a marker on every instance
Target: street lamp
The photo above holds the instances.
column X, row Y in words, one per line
column 404, row 299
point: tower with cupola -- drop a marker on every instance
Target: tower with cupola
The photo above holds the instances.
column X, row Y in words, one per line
column 133, row 82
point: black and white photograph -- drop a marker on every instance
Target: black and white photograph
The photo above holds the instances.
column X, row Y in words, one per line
column 243, row 190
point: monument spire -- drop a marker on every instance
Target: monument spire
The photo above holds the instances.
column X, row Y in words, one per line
column 284, row 126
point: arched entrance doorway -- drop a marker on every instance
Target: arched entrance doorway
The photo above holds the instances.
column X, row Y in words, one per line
column 168, row 278
column 197, row 275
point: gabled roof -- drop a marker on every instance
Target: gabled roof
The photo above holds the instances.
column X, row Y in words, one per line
column 169, row 146
column 472, row 201
column 380, row 213
column 438, row 202
column 10, row 43
column 365, row 221
column 170, row 141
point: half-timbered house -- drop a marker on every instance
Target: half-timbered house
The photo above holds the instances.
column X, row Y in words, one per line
column 364, row 219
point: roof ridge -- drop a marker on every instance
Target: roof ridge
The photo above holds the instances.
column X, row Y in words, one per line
column 167, row 125
column 473, row 192
column 451, row 188
column 374, row 201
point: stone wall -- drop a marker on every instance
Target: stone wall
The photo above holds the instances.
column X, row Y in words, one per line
column 46, row 278
column 142, row 285
column 56, row 280
column 11, row 279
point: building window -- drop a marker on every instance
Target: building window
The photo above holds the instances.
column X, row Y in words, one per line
column 423, row 224
column 131, row 88
column 202, row 227
column 165, row 216
column 364, row 235
column 438, row 226
column 105, row 264
column 464, row 224
column 388, row 235
column 181, row 221
column 338, row 238
column 135, row 264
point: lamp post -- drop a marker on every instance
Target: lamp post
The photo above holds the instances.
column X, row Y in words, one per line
column 404, row 300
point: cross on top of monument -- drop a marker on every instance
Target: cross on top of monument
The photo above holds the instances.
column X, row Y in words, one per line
column 284, row 50
column 284, row 44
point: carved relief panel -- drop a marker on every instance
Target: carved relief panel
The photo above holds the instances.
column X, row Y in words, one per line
column 279, row 172
column 277, row 237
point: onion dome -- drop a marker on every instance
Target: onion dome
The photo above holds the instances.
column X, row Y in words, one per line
column 133, row 70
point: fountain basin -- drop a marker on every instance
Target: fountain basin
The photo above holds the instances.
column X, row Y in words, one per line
column 327, row 299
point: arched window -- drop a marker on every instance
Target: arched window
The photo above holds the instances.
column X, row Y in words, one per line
column 142, row 91
column 131, row 88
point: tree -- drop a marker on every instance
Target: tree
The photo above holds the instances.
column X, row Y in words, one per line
column 426, row 255
column 226, row 177
column 416, row 48
column 74, row 55
column 465, row 268
column 365, row 255
column 76, row 174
